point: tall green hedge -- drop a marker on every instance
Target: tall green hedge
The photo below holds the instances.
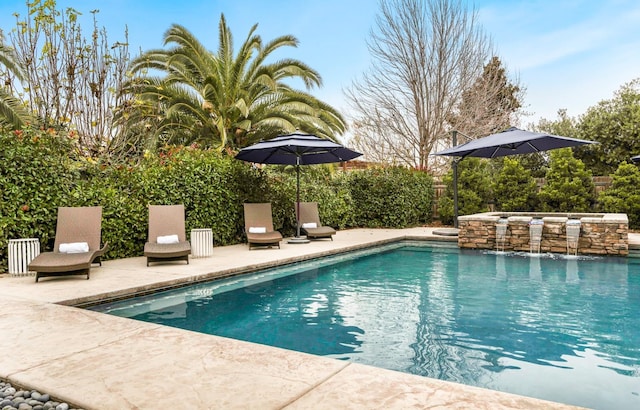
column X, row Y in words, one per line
column 39, row 171
column 37, row 174
column 391, row 197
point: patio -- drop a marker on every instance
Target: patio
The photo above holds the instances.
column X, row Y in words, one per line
column 98, row 361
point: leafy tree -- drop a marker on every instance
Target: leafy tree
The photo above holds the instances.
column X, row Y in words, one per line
column 624, row 194
column 224, row 99
column 569, row 185
column 514, row 188
column 426, row 54
column 12, row 111
column 564, row 126
column 490, row 104
column 71, row 83
column 614, row 124
column 474, row 189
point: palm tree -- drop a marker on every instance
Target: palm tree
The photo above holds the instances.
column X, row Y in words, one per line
column 224, row 100
column 12, row 111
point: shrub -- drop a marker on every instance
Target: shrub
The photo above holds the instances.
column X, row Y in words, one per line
column 514, row 188
column 474, row 190
column 569, row 186
column 37, row 174
column 624, row 194
column 391, row 197
column 318, row 183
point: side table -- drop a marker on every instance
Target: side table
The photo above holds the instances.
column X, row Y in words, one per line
column 201, row 243
column 21, row 253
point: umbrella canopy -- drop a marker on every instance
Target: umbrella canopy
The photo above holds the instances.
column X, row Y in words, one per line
column 512, row 141
column 296, row 149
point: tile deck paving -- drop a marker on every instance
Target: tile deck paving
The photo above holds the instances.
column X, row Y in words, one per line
column 98, row 361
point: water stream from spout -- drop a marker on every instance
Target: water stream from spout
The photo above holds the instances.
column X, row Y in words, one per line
column 535, row 235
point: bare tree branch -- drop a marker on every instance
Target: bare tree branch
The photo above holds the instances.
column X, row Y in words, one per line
column 426, row 53
column 72, row 83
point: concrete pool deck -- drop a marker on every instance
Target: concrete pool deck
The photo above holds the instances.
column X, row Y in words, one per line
column 98, row 361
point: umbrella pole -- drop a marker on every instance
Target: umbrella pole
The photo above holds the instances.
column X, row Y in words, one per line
column 298, row 198
column 455, row 193
column 297, row 238
column 454, row 142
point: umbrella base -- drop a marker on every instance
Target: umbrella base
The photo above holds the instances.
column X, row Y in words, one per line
column 446, row 231
column 298, row 240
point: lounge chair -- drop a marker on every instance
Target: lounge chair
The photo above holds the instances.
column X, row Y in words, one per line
column 76, row 245
column 310, row 224
column 167, row 236
column 258, row 226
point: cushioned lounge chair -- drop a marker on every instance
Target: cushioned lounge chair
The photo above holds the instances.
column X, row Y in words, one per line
column 167, row 236
column 258, row 226
column 78, row 230
column 310, row 222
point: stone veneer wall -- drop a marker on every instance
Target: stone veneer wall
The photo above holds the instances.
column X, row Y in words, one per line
column 600, row 234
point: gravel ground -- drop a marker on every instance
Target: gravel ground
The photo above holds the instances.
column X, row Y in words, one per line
column 15, row 399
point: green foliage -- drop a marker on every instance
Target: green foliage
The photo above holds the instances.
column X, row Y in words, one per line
column 119, row 190
column 624, row 194
column 211, row 186
column 13, row 113
column 318, row 183
column 569, row 186
column 230, row 98
column 564, row 125
column 614, row 124
column 514, row 188
column 391, row 197
column 37, row 175
column 474, row 189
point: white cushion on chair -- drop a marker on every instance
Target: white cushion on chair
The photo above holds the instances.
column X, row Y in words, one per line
column 168, row 239
column 74, row 247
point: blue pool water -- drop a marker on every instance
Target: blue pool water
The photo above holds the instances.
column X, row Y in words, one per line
column 550, row 327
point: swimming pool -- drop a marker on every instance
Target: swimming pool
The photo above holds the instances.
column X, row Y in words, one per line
column 559, row 329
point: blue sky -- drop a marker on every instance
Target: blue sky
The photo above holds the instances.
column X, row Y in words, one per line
column 568, row 54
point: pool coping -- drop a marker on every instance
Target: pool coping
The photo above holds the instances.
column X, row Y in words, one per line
column 98, row 361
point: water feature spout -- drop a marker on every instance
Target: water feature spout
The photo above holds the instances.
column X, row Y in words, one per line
column 535, row 235
column 501, row 233
column 573, row 236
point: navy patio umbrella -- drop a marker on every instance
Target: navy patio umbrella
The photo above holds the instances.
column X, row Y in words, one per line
column 296, row 149
column 512, row 141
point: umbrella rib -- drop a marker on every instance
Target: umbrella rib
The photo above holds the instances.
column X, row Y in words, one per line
column 535, row 149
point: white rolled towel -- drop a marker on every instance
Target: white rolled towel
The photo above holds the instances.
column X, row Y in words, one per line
column 74, row 247
column 308, row 225
column 167, row 239
column 257, row 229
